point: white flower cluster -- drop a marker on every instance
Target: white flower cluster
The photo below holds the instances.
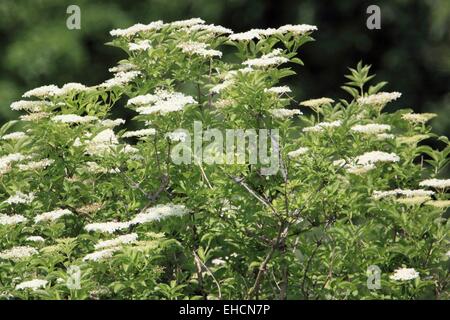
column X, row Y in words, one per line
column 141, row 45
column 298, row 152
column 187, row 23
column 211, row 28
column 110, row 123
column 403, row 192
column 161, row 102
column 94, row 167
column 199, row 48
column 36, row 165
column 35, row 239
column 107, row 227
column 32, row 284
column 99, row 255
column 285, row 113
column 322, row 126
column 120, row 79
column 278, row 90
column 52, row 215
column 11, row 220
column 366, row 162
column 30, row 106
column 139, row 133
column 102, row 143
column 158, row 213
column 18, row 253
column 379, row 99
column 20, row 198
column 35, row 116
column 404, row 274
column 374, row 157
column 8, row 160
column 221, row 86
column 123, row 67
column 14, row 135
column 436, row 183
column 267, row 60
column 53, row 91
column 438, row 203
column 73, row 118
column 315, row 103
column 42, row 92
column 372, row 128
column 418, row 117
column 137, row 28
column 124, row 239
column 258, row 33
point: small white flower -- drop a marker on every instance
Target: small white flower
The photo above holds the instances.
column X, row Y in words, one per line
column 298, row 29
column 139, row 133
column 124, row 239
column 418, row 117
column 380, row 98
column 120, row 79
column 36, row 165
column 271, row 59
column 187, row 23
column 199, row 48
column 30, row 106
column 109, row 123
column 73, row 118
column 316, row 103
column 11, row 220
column 159, row 212
column 372, row 128
column 285, row 113
column 142, row 45
column 376, row 156
column 71, row 87
column 162, row 102
column 436, row 183
column 322, row 126
column 102, row 143
column 210, row 28
column 20, row 198
column 42, row 92
column 404, row 274
column 123, row 67
column 18, row 253
column 32, row 284
column 99, row 255
column 52, row 215
column 137, row 28
column 218, row 262
column 35, row 239
column 278, row 90
column 34, row 116
column 14, row 136
column 221, row 86
column 298, row 152
column 108, row 227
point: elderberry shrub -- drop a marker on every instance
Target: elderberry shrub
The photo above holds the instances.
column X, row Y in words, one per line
column 352, row 208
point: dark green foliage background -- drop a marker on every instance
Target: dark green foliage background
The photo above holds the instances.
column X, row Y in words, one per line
column 411, row 51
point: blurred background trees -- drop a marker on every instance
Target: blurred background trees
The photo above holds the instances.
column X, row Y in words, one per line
column 411, row 51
